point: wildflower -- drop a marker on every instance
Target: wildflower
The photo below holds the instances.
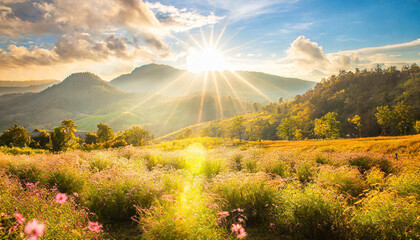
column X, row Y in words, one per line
column 95, row 227
column 61, row 198
column 34, row 229
column 240, row 220
column 241, row 234
column 223, row 214
column 208, row 205
column 76, row 194
column 239, row 230
column 19, row 217
column 272, row 225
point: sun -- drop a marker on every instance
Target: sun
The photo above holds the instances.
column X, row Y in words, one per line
column 206, row 59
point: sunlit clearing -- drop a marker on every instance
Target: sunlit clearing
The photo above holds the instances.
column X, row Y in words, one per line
column 207, row 59
column 194, row 158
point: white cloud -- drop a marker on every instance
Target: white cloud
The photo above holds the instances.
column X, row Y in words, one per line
column 306, row 59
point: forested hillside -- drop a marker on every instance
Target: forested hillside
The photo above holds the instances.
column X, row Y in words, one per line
column 334, row 102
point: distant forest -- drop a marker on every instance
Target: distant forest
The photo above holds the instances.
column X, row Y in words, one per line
column 351, row 104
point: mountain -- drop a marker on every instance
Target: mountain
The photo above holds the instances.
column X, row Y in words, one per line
column 88, row 100
column 7, row 87
column 247, row 86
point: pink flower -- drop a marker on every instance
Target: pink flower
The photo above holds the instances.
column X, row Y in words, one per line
column 223, row 214
column 236, row 227
column 76, row 194
column 95, row 227
column 61, row 198
column 19, row 218
column 242, row 233
column 34, row 229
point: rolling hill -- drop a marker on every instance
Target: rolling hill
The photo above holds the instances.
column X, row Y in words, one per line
column 247, row 86
column 88, row 100
column 8, row 87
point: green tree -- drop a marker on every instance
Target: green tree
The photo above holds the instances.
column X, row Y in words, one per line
column 137, row 136
column 104, row 133
column 62, row 138
column 287, row 128
column 384, row 117
column 356, row 120
column 237, row 127
column 15, row 136
column 403, row 117
column 327, row 126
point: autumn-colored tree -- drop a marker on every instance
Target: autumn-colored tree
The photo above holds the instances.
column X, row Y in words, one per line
column 385, row 117
column 403, row 117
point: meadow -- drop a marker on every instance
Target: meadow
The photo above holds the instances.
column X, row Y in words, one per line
column 210, row 188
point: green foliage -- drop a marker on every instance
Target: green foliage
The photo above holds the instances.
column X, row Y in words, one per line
column 137, row 136
column 398, row 121
column 91, row 138
column 287, row 128
column 104, row 133
column 237, row 127
column 67, row 180
column 62, row 138
column 42, row 141
column 357, row 122
column 15, row 136
column 327, row 126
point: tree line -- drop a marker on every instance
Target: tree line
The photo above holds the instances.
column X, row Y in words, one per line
column 63, row 138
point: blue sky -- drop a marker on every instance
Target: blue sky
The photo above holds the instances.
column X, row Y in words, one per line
column 297, row 38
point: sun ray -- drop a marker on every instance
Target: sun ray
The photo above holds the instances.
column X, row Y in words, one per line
column 196, row 42
column 206, row 45
column 233, row 91
column 217, row 95
column 240, row 46
column 220, row 37
column 200, row 112
column 150, row 97
column 178, row 103
column 211, row 36
column 251, row 86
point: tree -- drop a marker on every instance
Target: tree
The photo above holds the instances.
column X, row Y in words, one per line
column 90, row 138
column 15, row 136
column 298, row 134
column 327, row 126
column 384, row 117
column 137, row 136
column 62, row 138
column 42, row 140
column 238, row 127
column 287, row 128
column 417, row 127
column 403, row 117
column 356, row 120
column 104, row 133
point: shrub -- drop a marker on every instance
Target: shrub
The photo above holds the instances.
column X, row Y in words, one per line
column 250, row 192
column 406, row 183
column 67, row 180
column 312, row 213
column 345, row 179
column 113, row 196
column 385, row 215
column 305, row 171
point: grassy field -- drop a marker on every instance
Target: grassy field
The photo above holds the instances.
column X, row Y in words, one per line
column 207, row 188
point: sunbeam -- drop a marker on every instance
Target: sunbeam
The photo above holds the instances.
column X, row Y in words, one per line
column 150, row 97
column 217, row 95
column 233, row 91
column 200, row 112
column 251, row 86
